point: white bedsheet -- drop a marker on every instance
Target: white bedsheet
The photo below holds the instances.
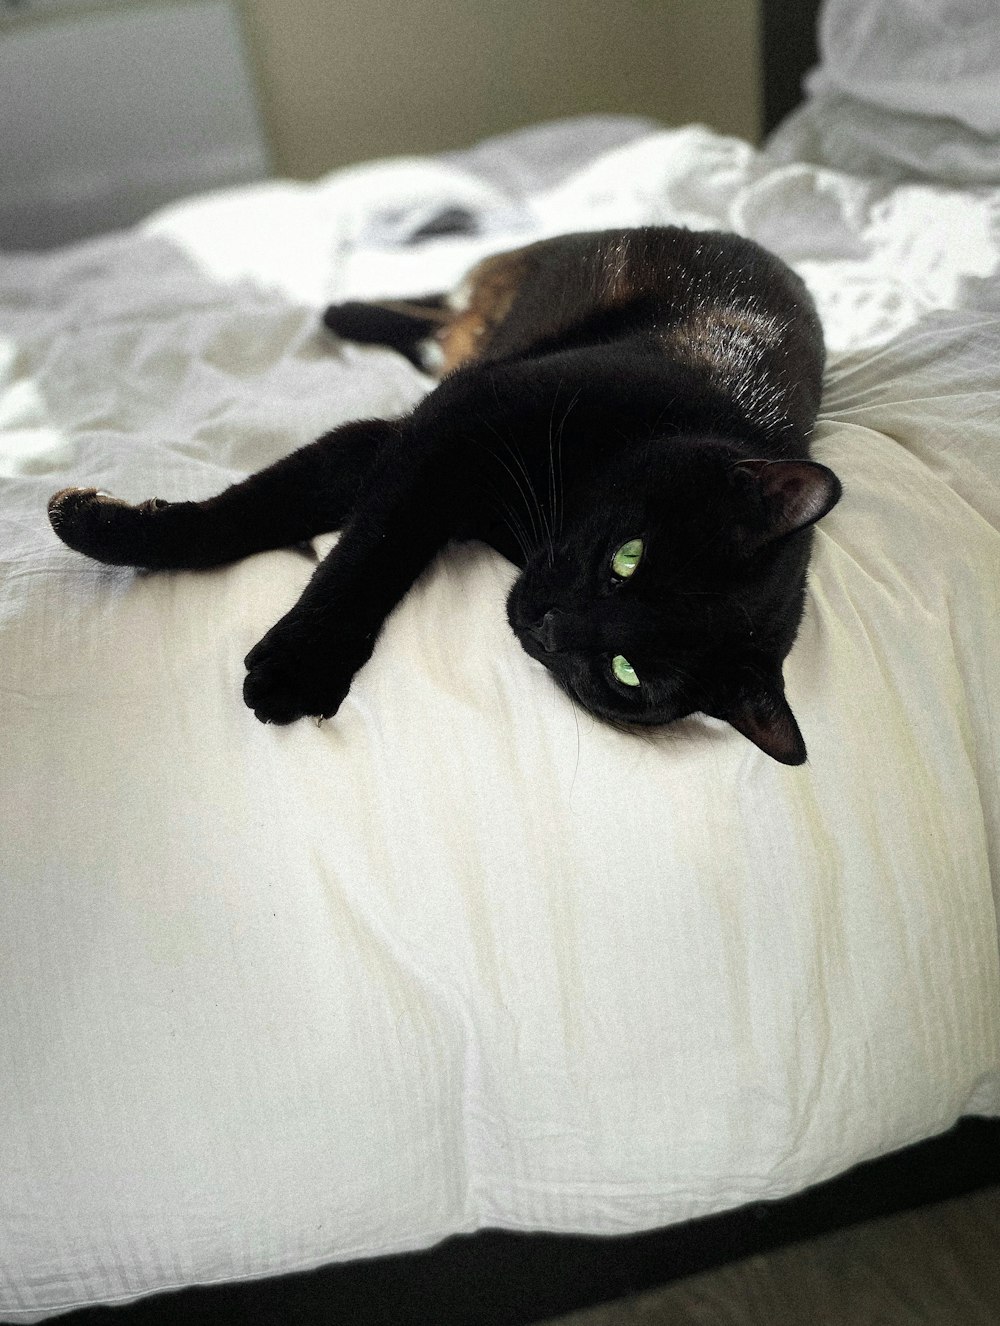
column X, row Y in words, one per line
column 463, row 957
column 903, row 90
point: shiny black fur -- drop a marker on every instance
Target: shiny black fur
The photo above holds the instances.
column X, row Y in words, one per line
column 657, row 384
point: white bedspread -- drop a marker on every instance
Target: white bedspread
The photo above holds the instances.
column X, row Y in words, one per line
column 463, row 957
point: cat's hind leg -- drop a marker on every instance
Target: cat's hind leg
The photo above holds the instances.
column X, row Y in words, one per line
column 407, row 326
column 309, row 492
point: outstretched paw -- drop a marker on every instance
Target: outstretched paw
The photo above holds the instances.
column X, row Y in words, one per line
column 295, row 672
column 102, row 526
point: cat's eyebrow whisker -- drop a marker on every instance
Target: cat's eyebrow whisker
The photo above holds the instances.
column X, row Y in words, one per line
column 558, row 517
column 545, row 524
column 517, row 529
column 519, row 459
column 519, row 539
column 544, row 532
column 517, row 484
column 511, row 520
column 552, row 476
column 527, row 542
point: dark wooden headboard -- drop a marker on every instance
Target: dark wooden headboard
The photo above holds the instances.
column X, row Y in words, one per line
column 788, row 51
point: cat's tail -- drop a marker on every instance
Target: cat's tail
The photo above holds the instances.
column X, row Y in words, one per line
column 407, row 326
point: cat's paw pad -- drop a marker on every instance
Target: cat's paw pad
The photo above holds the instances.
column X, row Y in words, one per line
column 101, row 526
column 290, row 676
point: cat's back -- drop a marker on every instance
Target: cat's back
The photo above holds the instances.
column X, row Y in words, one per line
column 713, row 301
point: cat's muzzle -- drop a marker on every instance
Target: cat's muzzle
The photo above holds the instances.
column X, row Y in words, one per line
column 559, row 632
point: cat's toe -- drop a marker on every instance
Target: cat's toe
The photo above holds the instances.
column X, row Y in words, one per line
column 280, row 694
column 289, row 677
column 273, row 694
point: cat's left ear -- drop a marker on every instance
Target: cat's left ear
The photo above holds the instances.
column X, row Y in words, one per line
column 786, row 495
column 761, row 713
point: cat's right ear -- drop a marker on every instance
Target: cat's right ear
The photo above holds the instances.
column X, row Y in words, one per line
column 782, row 496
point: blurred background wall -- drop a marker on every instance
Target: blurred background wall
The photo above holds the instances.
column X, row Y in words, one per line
column 108, row 110
column 343, row 80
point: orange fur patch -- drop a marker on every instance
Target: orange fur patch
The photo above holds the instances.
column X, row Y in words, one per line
column 491, row 285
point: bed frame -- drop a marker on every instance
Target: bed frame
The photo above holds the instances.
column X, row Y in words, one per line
column 495, row 1278
column 788, row 50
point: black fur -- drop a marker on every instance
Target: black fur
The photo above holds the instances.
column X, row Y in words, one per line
column 656, row 384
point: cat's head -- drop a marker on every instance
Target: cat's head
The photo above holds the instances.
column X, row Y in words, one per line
column 676, row 586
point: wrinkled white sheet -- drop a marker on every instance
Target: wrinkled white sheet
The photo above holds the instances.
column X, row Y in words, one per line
column 936, row 58
column 876, row 256
column 462, row 957
column 903, row 90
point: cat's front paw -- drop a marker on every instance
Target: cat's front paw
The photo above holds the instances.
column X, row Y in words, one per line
column 296, row 672
column 102, row 526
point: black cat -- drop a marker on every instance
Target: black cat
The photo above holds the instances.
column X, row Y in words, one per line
column 624, row 415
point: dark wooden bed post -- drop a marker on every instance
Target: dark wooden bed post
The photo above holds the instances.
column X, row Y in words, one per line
column 788, row 50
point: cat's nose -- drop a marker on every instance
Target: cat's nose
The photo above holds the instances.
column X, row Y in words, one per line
column 544, row 631
column 555, row 632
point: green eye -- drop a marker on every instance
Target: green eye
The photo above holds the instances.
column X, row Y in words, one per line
column 627, row 558
column 624, row 671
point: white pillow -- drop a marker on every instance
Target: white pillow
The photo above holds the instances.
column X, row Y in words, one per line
column 903, row 90
column 932, row 58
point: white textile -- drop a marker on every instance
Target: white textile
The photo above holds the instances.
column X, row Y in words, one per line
column 902, row 90
column 271, row 997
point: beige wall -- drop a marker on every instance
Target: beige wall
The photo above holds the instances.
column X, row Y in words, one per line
column 346, row 80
